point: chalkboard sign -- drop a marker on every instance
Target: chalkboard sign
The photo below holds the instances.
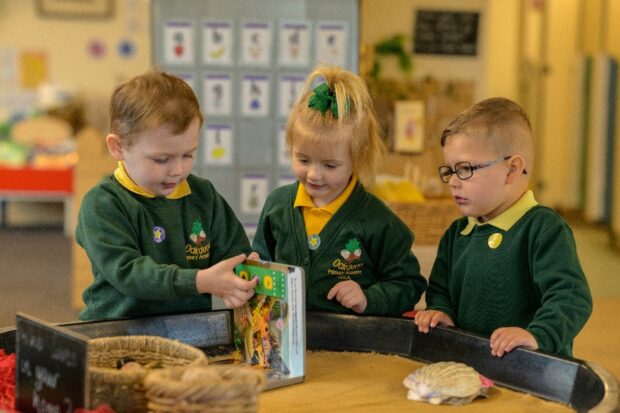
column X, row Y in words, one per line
column 445, row 32
column 50, row 367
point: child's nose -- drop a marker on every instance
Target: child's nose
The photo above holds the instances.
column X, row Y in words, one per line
column 313, row 172
column 454, row 181
column 176, row 167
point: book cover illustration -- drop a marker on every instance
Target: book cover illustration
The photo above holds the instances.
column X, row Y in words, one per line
column 269, row 329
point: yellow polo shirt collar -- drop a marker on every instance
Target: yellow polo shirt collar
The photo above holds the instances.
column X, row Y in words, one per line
column 509, row 217
column 316, row 218
column 121, row 176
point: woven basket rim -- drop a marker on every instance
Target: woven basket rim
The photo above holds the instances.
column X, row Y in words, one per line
column 240, row 388
column 150, row 347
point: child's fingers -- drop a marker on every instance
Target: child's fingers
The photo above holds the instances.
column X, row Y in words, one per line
column 445, row 320
column 348, row 298
column 503, row 341
column 232, row 262
column 238, row 297
column 425, row 320
column 422, row 320
column 335, row 289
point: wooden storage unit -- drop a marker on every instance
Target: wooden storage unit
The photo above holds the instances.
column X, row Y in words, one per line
column 38, row 185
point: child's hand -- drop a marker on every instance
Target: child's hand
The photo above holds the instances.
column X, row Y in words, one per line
column 350, row 295
column 220, row 280
column 505, row 339
column 427, row 319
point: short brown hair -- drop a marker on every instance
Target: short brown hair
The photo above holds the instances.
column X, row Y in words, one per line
column 356, row 123
column 150, row 100
column 503, row 122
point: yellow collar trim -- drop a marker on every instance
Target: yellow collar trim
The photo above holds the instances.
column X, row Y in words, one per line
column 123, row 177
column 303, row 199
column 509, row 217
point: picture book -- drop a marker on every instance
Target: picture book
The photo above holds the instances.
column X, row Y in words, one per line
column 270, row 328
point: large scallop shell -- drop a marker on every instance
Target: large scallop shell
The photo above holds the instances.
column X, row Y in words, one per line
column 445, row 382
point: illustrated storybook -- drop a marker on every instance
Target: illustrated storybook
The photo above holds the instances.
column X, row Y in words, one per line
column 270, row 329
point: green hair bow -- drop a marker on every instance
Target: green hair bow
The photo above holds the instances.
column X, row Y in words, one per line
column 323, row 99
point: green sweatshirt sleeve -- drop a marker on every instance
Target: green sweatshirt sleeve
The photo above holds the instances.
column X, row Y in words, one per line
column 438, row 292
column 400, row 283
column 106, row 231
column 565, row 295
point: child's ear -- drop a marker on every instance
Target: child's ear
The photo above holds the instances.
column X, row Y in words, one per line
column 115, row 146
column 515, row 169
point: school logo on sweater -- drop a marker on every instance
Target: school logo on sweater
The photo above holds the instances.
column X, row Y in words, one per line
column 200, row 250
column 198, row 234
column 344, row 267
column 352, row 252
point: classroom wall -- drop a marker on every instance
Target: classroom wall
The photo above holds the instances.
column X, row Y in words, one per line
column 598, row 34
column 66, row 44
column 528, row 52
column 613, row 45
column 570, row 27
column 382, row 19
column 558, row 56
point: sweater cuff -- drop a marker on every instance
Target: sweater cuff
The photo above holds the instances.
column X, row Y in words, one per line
column 184, row 283
column 373, row 303
column 542, row 339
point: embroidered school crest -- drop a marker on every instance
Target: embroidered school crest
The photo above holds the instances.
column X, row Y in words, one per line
column 347, row 264
column 198, row 234
column 201, row 250
column 352, row 251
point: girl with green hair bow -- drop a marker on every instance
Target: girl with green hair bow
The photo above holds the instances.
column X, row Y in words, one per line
column 356, row 253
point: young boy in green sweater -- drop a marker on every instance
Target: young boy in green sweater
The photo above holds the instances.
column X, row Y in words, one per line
column 509, row 269
column 160, row 240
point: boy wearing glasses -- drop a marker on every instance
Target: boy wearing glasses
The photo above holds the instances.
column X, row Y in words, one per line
column 509, row 268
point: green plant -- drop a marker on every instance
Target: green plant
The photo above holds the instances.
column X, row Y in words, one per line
column 392, row 46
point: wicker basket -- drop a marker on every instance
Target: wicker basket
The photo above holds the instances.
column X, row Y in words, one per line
column 123, row 389
column 209, row 389
column 428, row 220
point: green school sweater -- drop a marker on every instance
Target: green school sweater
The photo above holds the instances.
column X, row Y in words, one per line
column 364, row 242
column 529, row 276
column 145, row 252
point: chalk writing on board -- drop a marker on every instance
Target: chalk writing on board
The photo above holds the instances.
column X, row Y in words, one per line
column 446, row 32
column 52, row 360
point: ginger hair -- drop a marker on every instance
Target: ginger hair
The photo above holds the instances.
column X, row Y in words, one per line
column 151, row 100
column 502, row 122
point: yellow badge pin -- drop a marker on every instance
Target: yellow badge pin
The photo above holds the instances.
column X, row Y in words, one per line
column 495, row 240
column 314, row 241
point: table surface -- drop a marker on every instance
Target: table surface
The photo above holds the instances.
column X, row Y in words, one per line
column 366, row 382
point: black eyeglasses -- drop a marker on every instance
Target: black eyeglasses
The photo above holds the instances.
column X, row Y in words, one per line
column 465, row 170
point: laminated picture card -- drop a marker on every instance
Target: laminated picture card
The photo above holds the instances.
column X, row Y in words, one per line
column 270, row 328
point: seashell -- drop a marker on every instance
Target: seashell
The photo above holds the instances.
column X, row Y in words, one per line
column 446, row 382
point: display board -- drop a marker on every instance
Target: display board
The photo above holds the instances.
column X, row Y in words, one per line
column 445, row 32
column 247, row 62
column 50, row 368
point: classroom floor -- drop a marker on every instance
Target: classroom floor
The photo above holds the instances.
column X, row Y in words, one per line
column 35, row 269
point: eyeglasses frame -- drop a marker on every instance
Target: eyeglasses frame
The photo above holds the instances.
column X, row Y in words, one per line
column 472, row 168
